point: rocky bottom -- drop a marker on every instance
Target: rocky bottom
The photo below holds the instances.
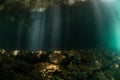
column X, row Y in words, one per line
column 84, row 64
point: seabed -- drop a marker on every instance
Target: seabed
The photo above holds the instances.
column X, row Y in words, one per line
column 84, row 64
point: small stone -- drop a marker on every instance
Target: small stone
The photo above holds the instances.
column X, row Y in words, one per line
column 58, row 52
column 97, row 62
column 116, row 65
column 2, row 51
column 15, row 53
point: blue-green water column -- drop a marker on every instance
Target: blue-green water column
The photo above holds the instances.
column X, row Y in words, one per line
column 115, row 23
column 108, row 19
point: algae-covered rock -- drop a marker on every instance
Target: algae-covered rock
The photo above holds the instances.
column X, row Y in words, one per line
column 57, row 57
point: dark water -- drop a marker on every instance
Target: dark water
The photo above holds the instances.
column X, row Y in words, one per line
column 78, row 29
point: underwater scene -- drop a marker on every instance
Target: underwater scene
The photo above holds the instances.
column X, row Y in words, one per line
column 59, row 39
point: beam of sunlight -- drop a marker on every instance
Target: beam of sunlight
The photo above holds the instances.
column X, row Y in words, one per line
column 98, row 15
column 36, row 32
column 56, row 26
column 19, row 33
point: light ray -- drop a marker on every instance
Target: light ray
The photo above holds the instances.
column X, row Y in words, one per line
column 99, row 17
column 37, row 31
column 56, row 26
